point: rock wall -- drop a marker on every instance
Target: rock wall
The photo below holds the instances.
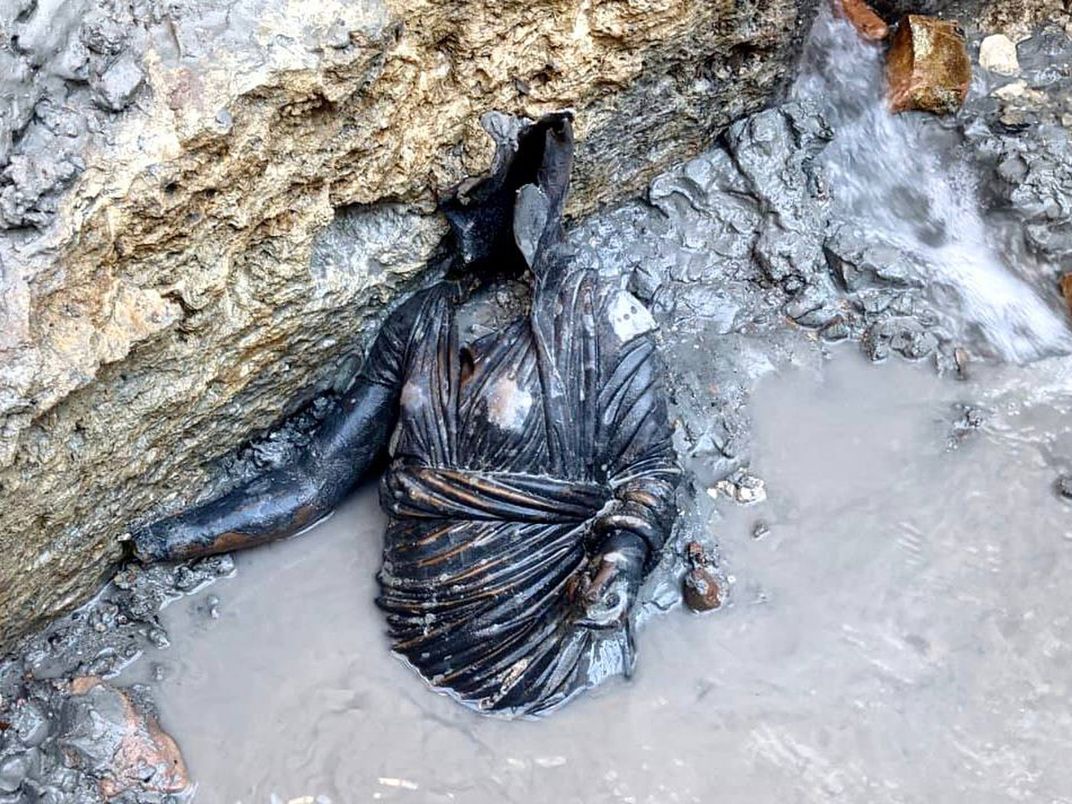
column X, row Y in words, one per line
column 168, row 168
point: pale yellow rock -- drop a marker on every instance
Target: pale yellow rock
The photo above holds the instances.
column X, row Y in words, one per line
column 1018, row 90
column 1011, row 91
column 997, row 54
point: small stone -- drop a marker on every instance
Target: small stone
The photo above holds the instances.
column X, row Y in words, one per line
column 928, row 66
column 741, row 487
column 186, row 580
column 224, row 120
column 997, row 54
column 30, row 723
column 752, row 492
column 1014, row 119
column 760, row 529
column 1064, row 487
column 115, row 89
column 962, row 360
column 1066, row 289
column 701, row 588
column 13, row 771
column 836, row 330
column 968, row 422
column 702, row 592
column 158, row 637
column 1011, row 91
column 863, row 18
column 107, row 736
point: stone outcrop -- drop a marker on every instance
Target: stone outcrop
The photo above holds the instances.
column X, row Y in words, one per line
column 928, row 66
column 168, row 170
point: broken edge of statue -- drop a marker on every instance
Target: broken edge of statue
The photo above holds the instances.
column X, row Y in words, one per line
column 509, row 479
column 531, row 480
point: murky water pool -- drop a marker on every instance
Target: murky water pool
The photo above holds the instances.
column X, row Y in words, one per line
column 899, row 631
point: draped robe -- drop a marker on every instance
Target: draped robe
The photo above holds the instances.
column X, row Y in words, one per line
column 500, row 467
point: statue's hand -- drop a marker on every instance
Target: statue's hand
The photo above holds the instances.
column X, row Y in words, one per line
column 151, row 542
column 612, row 588
column 169, row 539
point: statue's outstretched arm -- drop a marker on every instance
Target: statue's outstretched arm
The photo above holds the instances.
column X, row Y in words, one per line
column 290, row 498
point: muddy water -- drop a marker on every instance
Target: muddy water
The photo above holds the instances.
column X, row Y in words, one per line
column 899, row 632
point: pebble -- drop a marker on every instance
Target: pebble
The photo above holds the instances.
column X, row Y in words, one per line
column 962, row 359
column 13, row 771
column 836, row 330
column 701, row 587
column 30, row 724
column 741, row 487
column 1064, row 487
column 997, row 54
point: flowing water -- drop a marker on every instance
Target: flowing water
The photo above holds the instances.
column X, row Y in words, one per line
column 901, row 181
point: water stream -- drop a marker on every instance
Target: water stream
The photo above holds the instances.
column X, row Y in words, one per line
column 904, row 186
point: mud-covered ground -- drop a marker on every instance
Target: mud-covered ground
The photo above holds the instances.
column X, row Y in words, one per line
column 820, row 221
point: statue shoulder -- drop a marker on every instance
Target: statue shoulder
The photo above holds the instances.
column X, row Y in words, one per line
column 406, row 313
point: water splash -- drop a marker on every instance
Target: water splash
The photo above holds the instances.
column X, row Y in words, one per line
column 898, row 179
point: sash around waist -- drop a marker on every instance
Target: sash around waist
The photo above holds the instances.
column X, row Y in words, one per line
column 422, row 492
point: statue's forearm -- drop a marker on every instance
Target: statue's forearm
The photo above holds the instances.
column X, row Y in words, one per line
column 276, row 505
column 289, row 498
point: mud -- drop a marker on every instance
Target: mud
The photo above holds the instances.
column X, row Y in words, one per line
column 65, row 68
column 58, row 744
column 889, row 638
column 869, row 598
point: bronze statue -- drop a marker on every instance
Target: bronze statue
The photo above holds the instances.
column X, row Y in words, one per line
column 531, row 477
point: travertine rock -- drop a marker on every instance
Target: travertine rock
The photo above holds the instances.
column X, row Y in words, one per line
column 928, row 66
column 158, row 295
